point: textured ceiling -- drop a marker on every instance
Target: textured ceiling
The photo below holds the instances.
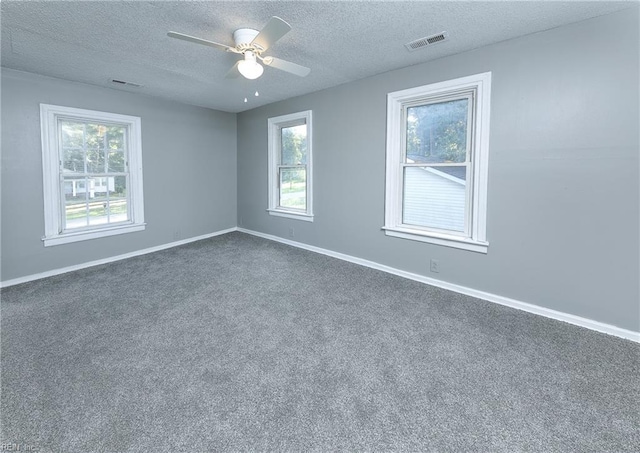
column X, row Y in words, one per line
column 97, row 41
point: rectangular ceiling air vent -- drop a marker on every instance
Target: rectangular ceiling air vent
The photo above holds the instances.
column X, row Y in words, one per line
column 129, row 84
column 424, row 42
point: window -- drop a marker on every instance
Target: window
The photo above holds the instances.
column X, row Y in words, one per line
column 437, row 155
column 92, row 167
column 290, row 166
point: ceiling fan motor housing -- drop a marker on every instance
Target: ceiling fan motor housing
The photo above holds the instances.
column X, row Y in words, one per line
column 243, row 37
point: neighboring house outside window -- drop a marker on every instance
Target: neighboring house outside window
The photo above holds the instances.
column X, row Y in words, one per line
column 290, row 166
column 437, row 156
column 92, row 167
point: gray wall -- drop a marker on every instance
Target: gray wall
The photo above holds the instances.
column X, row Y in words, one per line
column 563, row 176
column 189, row 167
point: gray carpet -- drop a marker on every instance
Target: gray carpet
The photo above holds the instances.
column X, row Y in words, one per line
column 241, row 344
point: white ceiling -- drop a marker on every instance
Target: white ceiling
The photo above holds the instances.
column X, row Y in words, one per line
column 97, row 41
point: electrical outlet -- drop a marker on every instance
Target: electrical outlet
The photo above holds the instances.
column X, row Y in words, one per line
column 176, row 234
column 292, row 232
column 435, row 266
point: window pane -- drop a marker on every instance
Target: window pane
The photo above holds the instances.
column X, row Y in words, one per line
column 294, row 145
column 93, row 148
column 95, row 160
column 437, row 133
column 73, row 160
column 116, row 161
column 435, row 197
column 108, row 203
column 75, row 201
column 293, row 188
column 95, row 135
column 98, row 211
column 115, row 137
column 118, row 208
column 71, row 134
column 95, row 201
column 94, row 143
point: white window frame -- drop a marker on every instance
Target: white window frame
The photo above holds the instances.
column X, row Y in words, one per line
column 475, row 237
column 53, row 212
column 275, row 125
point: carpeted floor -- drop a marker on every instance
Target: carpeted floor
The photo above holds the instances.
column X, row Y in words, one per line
column 241, row 344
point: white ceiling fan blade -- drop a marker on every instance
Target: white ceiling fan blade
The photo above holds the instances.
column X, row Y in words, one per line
column 204, row 42
column 287, row 66
column 275, row 29
column 233, row 72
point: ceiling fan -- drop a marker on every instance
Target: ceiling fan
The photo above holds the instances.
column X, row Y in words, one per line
column 251, row 44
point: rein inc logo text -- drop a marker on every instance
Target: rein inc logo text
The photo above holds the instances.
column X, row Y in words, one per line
column 17, row 447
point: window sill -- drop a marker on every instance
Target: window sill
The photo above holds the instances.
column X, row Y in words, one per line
column 91, row 234
column 438, row 239
column 291, row 215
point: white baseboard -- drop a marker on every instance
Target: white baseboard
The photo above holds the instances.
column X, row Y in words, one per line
column 111, row 259
column 535, row 309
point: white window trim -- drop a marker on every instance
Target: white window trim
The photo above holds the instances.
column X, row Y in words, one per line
column 274, row 147
column 49, row 115
column 477, row 242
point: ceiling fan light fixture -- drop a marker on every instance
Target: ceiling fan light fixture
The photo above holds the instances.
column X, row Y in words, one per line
column 249, row 67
